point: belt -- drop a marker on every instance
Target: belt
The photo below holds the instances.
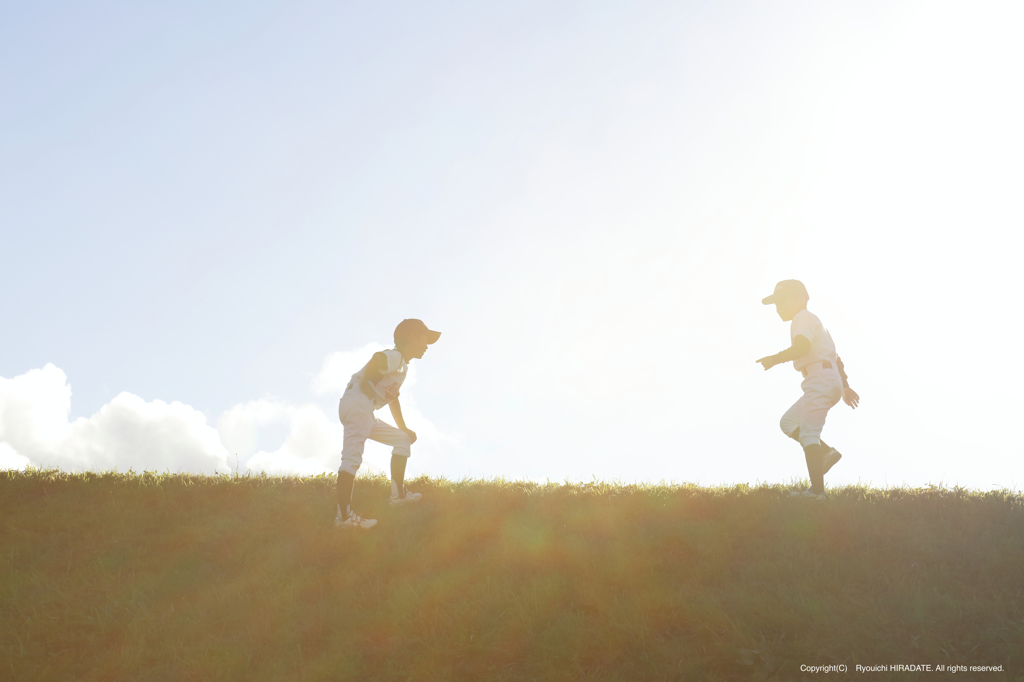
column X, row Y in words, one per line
column 825, row 364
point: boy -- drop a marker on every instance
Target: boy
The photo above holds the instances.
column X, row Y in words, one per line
column 814, row 355
column 377, row 384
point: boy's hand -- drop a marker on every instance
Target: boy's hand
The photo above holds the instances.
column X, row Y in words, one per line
column 850, row 397
column 412, row 435
column 768, row 362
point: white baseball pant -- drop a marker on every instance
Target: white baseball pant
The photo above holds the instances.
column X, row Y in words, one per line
column 822, row 390
column 356, row 413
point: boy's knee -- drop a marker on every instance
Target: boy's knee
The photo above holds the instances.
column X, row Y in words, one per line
column 790, row 427
column 809, row 441
column 349, row 467
column 403, row 445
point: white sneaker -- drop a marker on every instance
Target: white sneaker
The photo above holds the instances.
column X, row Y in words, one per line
column 354, row 521
column 807, row 495
column 410, row 498
column 829, row 460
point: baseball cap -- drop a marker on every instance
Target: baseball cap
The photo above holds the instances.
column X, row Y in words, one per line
column 407, row 328
column 785, row 289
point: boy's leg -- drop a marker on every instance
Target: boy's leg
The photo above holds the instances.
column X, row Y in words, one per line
column 346, row 482
column 813, row 457
column 398, row 475
column 358, row 421
column 830, row 458
column 400, row 452
column 790, row 425
column 803, row 423
column 820, row 395
column 790, row 422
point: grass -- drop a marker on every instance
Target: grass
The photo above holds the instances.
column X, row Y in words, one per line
column 179, row 577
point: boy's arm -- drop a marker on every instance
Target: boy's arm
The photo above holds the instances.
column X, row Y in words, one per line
column 801, row 347
column 842, row 372
column 377, row 365
column 850, row 396
column 396, row 412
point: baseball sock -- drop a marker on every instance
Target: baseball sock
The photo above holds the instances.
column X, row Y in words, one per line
column 345, row 483
column 812, row 455
column 825, row 447
column 398, row 475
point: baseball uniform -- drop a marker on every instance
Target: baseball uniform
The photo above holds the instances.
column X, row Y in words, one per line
column 355, row 409
column 822, row 384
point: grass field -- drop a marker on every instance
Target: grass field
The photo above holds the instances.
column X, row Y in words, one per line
column 178, row 577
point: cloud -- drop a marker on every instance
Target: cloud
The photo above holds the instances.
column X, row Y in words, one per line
column 240, row 427
column 127, row 432
column 10, row 459
column 339, row 367
column 34, row 409
column 313, row 446
column 259, row 435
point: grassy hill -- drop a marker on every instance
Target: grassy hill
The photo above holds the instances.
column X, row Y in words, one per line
column 178, row 577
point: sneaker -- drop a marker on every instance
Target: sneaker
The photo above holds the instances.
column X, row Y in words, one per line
column 807, row 495
column 830, row 459
column 354, row 521
column 410, row 498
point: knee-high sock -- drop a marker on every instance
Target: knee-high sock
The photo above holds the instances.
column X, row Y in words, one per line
column 398, row 475
column 813, row 455
column 346, row 482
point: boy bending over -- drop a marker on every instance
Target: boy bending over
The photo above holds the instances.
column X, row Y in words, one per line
column 377, row 384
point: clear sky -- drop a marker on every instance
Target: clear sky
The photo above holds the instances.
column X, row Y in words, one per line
column 211, row 213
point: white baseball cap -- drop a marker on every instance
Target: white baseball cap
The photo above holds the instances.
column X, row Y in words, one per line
column 785, row 289
column 406, row 328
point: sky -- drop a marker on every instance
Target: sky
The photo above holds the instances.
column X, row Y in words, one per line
column 212, row 213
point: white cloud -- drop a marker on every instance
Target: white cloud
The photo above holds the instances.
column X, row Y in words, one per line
column 339, row 367
column 10, row 459
column 130, row 432
column 240, row 426
column 34, row 409
column 313, row 446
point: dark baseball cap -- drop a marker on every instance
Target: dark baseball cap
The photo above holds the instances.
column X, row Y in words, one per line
column 786, row 289
column 407, row 328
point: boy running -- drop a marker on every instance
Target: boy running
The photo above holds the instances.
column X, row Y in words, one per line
column 814, row 355
column 377, row 384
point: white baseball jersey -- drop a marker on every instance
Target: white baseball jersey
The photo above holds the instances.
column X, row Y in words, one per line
column 386, row 387
column 807, row 325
